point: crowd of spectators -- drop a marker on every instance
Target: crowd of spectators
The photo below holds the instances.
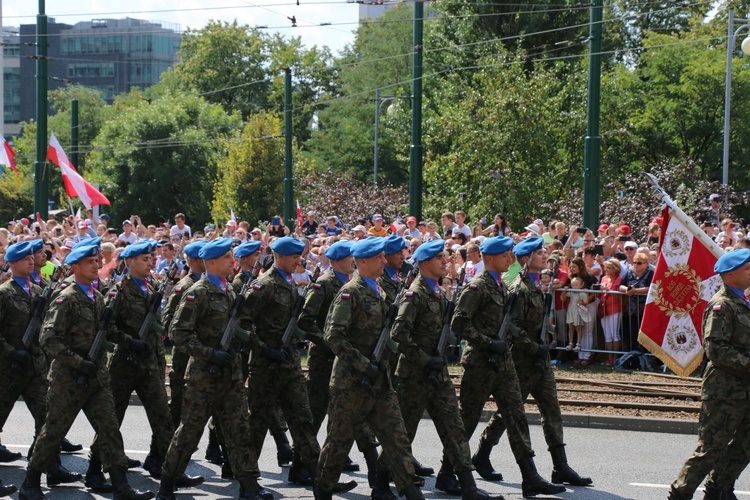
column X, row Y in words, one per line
column 603, row 273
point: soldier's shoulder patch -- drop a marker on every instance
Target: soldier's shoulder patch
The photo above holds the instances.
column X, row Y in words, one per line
column 472, row 286
column 717, row 307
column 409, row 293
column 317, row 286
column 63, row 286
column 190, row 298
column 59, row 300
column 112, row 293
column 177, row 289
column 346, row 296
column 257, row 286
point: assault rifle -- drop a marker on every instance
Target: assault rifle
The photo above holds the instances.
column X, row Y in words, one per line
column 446, row 331
column 291, row 327
column 149, row 321
column 378, row 354
column 38, row 308
column 234, row 317
column 120, row 280
column 502, row 332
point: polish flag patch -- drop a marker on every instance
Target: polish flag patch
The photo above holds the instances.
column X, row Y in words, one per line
column 716, row 308
column 177, row 289
column 317, row 286
column 59, row 300
column 345, row 296
column 257, row 287
column 409, row 293
column 190, row 298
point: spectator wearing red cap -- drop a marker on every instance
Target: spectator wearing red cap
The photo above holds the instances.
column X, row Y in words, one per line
column 411, row 227
column 602, row 230
column 83, row 232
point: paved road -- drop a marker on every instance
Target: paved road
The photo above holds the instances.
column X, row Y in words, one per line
column 624, row 464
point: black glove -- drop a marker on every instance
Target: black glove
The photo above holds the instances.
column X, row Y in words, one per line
column 137, row 345
column 543, row 351
column 372, row 371
column 87, row 367
column 277, row 355
column 435, row 364
column 19, row 356
column 221, row 358
column 499, row 346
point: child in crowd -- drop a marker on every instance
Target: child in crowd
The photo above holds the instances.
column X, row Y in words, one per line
column 578, row 314
column 301, row 276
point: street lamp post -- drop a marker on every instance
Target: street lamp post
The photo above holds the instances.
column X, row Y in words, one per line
column 731, row 39
column 378, row 107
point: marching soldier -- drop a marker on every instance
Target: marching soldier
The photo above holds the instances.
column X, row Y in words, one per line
column 531, row 359
column 354, row 322
column 77, row 383
column 134, row 365
column 422, row 380
column 320, row 359
column 480, row 310
column 213, row 376
column 725, row 398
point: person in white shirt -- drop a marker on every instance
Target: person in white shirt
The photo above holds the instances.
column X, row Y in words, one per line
column 461, row 226
column 474, row 264
column 127, row 234
column 179, row 226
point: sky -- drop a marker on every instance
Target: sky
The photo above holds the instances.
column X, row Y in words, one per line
column 310, row 14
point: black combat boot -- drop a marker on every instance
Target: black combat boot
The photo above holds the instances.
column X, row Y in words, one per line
column 213, row 450
column 675, row 495
column 446, row 480
column 284, row 452
column 299, row 474
column 412, row 492
column 350, row 465
column 469, row 490
column 481, row 461
column 6, row 491
column 561, row 471
column 711, row 494
column 123, row 491
column 381, row 490
column 533, row 484
column 185, row 481
column 57, row 474
column 68, row 447
column 95, row 479
column 421, row 470
column 31, row 488
column 226, row 471
column 166, row 489
column 153, row 461
column 133, row 463
column 251, row 490
column 8, row 456
column 321, row 494
column 371, row 459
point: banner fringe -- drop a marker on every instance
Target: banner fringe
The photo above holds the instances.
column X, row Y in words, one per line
column 674, row 365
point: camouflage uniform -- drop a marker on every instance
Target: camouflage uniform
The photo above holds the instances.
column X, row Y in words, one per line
column 31, row 381
column 725, row 394
column 269, row 306
column 69, row 329
column 133, row 371
column 320, row 358
column 197, row 327
column 352, row 329
column 417, row 328
column 534, row 373
column 479, row 312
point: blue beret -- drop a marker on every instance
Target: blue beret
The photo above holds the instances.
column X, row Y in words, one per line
column 247, row 248
column 89, row 242
column 36, row 245
column 135, row 249
column 369, row 247
column 18, row 251
column 394, row 244
column 428, row 250
column 194, row 248
column 339, row 250
column 81, row 252
column 496, row 245
column 528, row 246
column 215, row 248
column 730, row 260
column 288, row 246
column 152, row 245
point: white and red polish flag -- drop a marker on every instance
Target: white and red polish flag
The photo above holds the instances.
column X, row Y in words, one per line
column 300, row 221
column 683, row 283
column 75, row 185
column 7, row 154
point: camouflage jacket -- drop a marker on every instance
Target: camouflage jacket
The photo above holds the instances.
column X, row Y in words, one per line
column 726, row 336
column 312, row 319
column 167, row 315
column 528, row 315
column 352, row 329
column 389, row 287
column 269, row 306
column 130, row 311
column 15, row 314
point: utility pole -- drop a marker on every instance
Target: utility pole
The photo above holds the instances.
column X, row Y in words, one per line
column 41, row 180
column 288, row 181
column 593, row 141
column 415, row 156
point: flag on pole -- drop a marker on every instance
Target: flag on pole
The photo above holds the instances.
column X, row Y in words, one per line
column 683, row 283
column 7, row 154
column 231, row 216
column 300, row 221
column 75, row 185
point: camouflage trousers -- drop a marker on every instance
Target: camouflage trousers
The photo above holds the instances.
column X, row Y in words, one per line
column 477, row 384
column 417, row 394
column 720, row 421
column 348, row 408
column 180, row 360
column 227, row 400
column 540, row 383
column 14, row 383
column 284, row 386
column 279, row 423
column 732, row 462
column 319, row 368
column 65, row 400
column 141, row 376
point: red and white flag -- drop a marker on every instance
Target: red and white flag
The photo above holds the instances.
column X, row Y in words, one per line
column 7, row 155
column 75, row 185
column 683, row 283
column 300, row 221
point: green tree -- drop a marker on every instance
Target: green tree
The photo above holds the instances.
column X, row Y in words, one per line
column 158, row 158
